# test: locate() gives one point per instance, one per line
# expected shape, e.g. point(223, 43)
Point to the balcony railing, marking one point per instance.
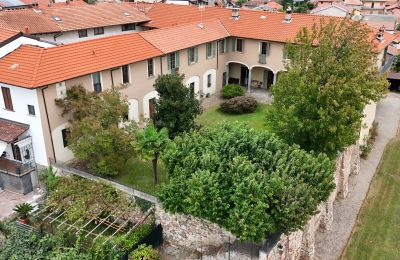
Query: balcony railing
point(15, 167)
point(262, 58)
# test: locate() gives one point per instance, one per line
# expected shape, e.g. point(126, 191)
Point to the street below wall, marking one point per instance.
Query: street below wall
point(331, 243)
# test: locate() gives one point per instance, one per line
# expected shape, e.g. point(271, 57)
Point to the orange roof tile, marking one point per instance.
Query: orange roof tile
point(19, 19)
point(31, 66)
point(6, 34)
point(73, 17)
point(252, 24)
point(170, 39)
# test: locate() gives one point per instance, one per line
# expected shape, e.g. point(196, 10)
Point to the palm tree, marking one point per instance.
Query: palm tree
point(149, 144)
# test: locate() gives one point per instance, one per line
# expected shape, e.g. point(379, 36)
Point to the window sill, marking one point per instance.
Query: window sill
point(9, 110)
point(150, 77)
point(31, 115)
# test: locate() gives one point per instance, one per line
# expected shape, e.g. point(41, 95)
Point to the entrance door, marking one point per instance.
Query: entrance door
point(265, 79)
point(244, 76)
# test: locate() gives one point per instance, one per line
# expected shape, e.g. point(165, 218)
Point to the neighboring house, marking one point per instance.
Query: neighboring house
point(26, 4)
point(21, 134)
point(379, 20)
point(265, 5)
point(373, 6)
point(211, 49)
point(334, 9)
point(65, 24)
point(355, 4)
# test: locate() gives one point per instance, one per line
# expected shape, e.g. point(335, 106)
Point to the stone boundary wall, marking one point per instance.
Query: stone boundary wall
point(191, 232)
point(301, 244)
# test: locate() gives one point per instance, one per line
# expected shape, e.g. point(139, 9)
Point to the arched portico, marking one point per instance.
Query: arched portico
point(262, 77)
point(238, 73)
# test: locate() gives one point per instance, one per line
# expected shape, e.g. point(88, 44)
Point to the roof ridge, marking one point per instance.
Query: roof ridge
point(150, 43)
point(36, 67)
point(223, 25)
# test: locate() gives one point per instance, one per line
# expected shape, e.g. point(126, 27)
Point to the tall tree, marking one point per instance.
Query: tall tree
point(177, 106)
point(99, 133)
point(149, 144)
point(318, 103)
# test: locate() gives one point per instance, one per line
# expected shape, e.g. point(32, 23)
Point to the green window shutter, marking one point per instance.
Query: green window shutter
point(233, 40)
point(243, 45)
point(196, 54)
point(177, 59)
point(169, 61)
point(226, 49)
point(188, 54)
point(268, 47)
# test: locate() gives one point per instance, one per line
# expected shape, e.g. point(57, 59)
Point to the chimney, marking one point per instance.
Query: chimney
point(288, 15)
point(380, 34)
point(235, 13)
point(26, 30)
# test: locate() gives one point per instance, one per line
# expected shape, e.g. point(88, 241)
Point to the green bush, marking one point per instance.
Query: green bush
point(239, 105)
point(249, 182)
point(231, 91)
point(144, 252)
point(369, 141)
point(48, 178)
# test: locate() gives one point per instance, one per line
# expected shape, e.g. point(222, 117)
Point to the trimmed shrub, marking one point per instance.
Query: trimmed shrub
point(231, 91)
point(239, 105)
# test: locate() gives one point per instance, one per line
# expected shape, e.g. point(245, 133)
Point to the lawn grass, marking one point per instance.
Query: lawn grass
point(213, 116)
point(377, 231)
point(138, 175)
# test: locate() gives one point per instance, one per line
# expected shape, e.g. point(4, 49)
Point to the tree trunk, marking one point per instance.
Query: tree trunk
point(154, 163)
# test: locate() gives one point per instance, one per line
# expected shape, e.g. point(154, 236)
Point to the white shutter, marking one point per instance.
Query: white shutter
point(61, 89)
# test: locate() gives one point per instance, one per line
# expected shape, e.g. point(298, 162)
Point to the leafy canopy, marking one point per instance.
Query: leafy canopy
point(99, 132)
point(249, 182)
point(318, 103)
point(177, 106)
point(149, 144)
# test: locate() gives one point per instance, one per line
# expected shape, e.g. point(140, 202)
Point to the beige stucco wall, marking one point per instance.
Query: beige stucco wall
point(140, 89)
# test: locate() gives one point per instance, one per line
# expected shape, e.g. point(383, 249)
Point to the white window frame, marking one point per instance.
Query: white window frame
point(170, 59)
point(147, 68)
point(129, 74)
point(267, 50)
point(236, 45)
point(192, 50)
point(61, 90)
point(101, 81)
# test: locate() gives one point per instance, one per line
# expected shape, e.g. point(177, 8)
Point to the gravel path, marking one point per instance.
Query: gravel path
point(330, 244)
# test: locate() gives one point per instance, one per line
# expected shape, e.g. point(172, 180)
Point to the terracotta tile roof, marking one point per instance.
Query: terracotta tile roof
point(10, 130)
point(170, 39)
point(252, 24)
point(31, 66)
point(73, 17)
point(340, 6)
point(274, 5)
point(6, 34)
point(19, 19)
point(98, 15)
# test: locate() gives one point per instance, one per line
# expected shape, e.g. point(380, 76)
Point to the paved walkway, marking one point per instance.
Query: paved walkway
point(330, 244)
point(8, 200)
